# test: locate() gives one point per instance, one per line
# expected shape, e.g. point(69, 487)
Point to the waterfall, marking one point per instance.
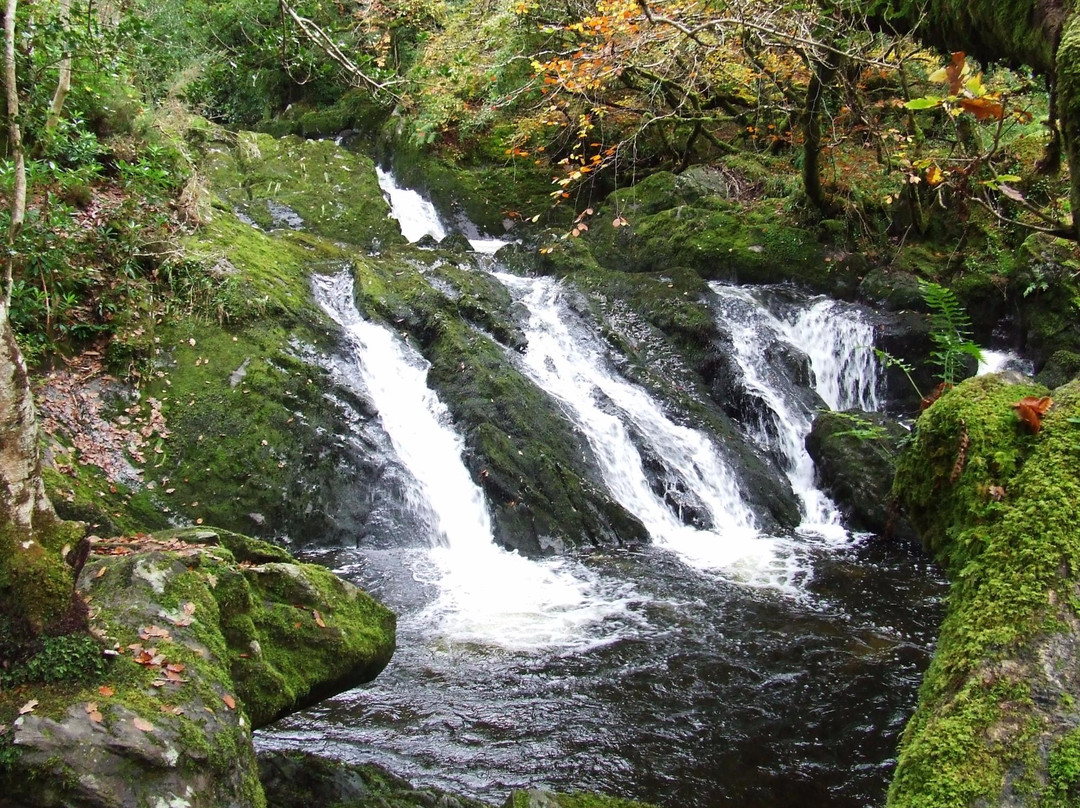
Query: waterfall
point(485, 594)
point(997, 361)
point(607, 408)
point(837, 342)
point(416, 215)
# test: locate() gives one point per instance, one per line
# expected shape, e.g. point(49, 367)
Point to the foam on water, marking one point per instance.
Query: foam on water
point(485, 594)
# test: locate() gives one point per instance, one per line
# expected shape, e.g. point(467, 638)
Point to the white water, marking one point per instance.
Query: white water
point(418, 216)
point(485, 594)
point(573, 370)
point(838, 343)
point(997, 361)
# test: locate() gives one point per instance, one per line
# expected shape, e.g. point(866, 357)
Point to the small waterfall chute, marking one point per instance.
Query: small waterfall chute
point(418, 217)
point(485, 594)
point(838, 343)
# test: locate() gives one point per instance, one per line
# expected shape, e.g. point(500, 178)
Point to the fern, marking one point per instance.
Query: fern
point(950, 331)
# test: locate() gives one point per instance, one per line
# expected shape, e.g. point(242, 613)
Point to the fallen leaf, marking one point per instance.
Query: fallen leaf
point(91, 707)
point(142, 723)
point(28, 707)
point(96, 717)
point(318, 619)
point(230, 702)
point(101, 572)
point(1030, 410)
point(106, 691)
point(189, 608)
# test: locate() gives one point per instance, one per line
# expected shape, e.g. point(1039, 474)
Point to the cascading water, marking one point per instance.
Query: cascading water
point(416, 215)
point(706, 692)
point(572, 368)
point(486, 594)
point(838, 344)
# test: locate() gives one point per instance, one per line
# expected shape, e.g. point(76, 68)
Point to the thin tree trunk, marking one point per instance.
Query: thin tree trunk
point(821, 76)
point(22, 493)
point(63, 84)
point(20, 461)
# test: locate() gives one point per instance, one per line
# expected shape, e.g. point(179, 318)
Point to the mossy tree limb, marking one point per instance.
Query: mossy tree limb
point(997, 505)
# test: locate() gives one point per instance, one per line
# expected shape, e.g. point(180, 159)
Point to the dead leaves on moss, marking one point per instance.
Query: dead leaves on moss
point(1030, 410)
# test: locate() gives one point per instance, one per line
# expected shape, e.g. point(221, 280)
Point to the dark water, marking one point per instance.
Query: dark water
point(705, 692)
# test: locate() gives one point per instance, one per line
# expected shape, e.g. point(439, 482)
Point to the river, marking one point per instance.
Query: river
point(718, 665)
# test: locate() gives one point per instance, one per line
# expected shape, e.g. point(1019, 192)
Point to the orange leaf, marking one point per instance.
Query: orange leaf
point(984, 109)
point(955, 72)
point(142, 723)
point(106, 691)
point(318, 619)
point(1030, 411)
point(230, 702)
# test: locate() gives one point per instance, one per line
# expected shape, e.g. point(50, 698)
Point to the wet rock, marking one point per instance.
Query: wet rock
point(538, 798)
point(300, 780)
point(1060, 368)
point(216, 634)
point(892, 290)
point(854, 454)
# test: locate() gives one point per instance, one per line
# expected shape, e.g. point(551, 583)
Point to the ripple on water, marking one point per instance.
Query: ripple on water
point(697, 691)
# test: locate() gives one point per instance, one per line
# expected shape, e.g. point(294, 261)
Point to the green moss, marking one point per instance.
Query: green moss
point(1064, 772)
point(996, 504)
point(334, 192)
point(547, 799)
point(71, 658)
point(676, 221)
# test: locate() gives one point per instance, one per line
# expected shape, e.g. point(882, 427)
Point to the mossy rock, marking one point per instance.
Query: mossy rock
point(300, 780)
point(677, 221)
point(207, 648)
point(537, 798)
point(1061, 368)
point(544, 486)
point(854, 456)
point(310, 185)
point(996, 503)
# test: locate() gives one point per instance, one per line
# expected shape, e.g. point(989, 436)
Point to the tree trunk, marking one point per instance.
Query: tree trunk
point(1067, 87)
point(24, 502)
point(63, 83)
point(35, 583)
point(822, 75)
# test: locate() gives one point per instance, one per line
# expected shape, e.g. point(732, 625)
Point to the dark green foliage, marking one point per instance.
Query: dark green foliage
point(71, 658)
point(950, 331)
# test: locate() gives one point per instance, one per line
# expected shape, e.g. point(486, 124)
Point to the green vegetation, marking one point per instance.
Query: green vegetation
point(995, 503)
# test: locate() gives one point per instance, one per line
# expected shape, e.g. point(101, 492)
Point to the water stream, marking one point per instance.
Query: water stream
point(717, 666)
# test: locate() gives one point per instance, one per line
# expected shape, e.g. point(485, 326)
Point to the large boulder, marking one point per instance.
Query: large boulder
point(854, 454)
point(212, 635)
point(995, 499)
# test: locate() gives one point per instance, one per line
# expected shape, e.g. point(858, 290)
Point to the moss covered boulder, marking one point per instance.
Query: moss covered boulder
point(299, 780)
point(998, 720)
point(680, 221)
point(854, 455)
point(297, 184)
point(211, 635)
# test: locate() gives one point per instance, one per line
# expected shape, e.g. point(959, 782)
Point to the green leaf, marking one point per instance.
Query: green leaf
point(926, 102)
